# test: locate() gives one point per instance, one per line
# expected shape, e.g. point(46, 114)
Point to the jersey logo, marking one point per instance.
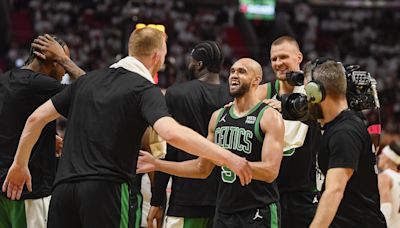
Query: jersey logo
point(250, 120)
point(315, 200)
point(257, 215)
point(222, 119)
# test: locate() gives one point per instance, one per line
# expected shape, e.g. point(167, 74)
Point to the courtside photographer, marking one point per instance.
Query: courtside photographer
point(350, 196)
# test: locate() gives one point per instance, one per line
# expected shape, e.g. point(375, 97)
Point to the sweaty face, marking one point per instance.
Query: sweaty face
point(285, 57)
point(240, 79)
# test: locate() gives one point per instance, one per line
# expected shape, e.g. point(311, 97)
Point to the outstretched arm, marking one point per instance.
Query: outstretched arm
point(196, 168)
point(272, 151)
point(50, 48)
point(188, 140)
point(18, 173)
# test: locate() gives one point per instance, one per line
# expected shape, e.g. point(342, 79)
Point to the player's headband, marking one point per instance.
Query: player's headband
point(391, 154)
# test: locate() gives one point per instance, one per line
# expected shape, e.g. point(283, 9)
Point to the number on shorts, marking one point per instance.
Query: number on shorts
point(227, 175)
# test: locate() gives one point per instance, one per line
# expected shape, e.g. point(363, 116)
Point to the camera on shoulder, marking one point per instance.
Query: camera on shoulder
point(361, 93)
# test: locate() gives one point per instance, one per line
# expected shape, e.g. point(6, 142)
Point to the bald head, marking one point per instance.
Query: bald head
point(146, 41)
point(250, 64)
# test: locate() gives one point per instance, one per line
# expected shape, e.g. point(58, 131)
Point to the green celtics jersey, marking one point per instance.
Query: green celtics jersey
point(244, 137)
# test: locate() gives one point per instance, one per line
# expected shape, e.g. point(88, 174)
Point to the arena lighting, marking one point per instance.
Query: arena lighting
point(155, 26)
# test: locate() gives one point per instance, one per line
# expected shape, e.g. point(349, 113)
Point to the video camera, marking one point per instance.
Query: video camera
point(361, 93)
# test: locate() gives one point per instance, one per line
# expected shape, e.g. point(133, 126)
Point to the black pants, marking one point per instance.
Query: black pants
point(268, 216)
point(298, 208)
point(88, 204)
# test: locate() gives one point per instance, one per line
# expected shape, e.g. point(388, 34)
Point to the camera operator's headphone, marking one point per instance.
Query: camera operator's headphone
point(315, 90)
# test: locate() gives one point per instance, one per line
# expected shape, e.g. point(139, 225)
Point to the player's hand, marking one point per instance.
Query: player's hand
point(48, 48)
point(157, 214)
point(274, 104)
point(59, 145)
point(146, 162)
point(240, 166)
point(16, 178)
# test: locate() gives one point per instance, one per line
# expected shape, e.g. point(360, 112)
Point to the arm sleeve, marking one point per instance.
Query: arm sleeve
point(61, 101)
point(153, 105)
point(345, 149)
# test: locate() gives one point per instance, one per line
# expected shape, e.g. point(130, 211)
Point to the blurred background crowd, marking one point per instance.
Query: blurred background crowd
point(353, 32)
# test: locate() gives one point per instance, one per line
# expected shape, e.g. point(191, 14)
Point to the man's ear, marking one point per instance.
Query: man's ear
point(257, 80)
point(200, 65)
point(155, 57)
point(299, 57)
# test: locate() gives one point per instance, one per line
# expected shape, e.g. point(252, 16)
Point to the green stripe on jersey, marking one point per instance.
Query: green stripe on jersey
point(124, 206)
point(138, 219)
point(274, 215)
point(257, 129)
point(289, 152)
point(221, 111)
point(234, 116)
point(269, 90)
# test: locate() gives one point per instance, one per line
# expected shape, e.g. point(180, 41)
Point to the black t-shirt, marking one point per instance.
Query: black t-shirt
point(244, 137)
point(191, 104)
point(298, 167)
point(346, 143)
point(21, 92)
point(108, 111)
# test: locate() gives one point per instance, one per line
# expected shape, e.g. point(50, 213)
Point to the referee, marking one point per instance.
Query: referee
point(108, 111)
point(192, 201)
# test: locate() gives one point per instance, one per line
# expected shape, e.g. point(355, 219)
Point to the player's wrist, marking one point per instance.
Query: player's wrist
point(62, 59)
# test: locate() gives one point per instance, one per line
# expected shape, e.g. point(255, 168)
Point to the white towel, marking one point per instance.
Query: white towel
point(132, 64)
point(295, 131)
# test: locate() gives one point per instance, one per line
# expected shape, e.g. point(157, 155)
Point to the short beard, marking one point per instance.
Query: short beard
point(315, 111)
point(241, 91)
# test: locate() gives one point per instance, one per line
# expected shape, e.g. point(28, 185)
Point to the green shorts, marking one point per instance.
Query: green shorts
point(24, 213)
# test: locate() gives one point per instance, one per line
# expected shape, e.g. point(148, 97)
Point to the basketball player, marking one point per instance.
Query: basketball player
point(192, 201)
point(389, 183)
point(21, 92)
point(297, 175)
point(248, 128)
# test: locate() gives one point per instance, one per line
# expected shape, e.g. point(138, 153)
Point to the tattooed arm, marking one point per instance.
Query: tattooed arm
point(46, 47)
